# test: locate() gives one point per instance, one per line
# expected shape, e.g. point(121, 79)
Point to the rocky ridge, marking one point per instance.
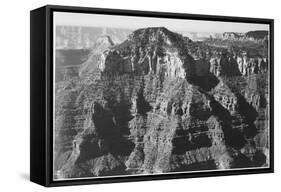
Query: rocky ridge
point(258, 35)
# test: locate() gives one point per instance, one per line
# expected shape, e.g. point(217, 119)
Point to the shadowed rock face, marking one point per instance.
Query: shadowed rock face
point(233, 64)
point(257, 35)
point(154, 105)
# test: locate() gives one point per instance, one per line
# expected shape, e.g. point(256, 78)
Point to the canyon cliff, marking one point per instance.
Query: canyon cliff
point(159, 102)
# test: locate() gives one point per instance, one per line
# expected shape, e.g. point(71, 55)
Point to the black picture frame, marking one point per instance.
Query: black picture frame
point(41, 88)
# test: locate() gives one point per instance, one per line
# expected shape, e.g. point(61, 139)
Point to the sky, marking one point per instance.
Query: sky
point(132, 22)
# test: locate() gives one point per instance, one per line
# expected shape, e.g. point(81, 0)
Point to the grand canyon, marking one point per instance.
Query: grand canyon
point(155, 101)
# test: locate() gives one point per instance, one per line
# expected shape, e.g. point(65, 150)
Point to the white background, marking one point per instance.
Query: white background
point(14, 96)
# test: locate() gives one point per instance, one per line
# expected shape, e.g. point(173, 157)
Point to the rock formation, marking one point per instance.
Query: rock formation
point(259, 35)
point(159, 102)
point(233, 35)
point(150, 51)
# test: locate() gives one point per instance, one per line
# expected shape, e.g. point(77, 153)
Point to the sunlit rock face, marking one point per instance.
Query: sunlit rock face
point(251, 65)
point(158, 103)
point(150, 51)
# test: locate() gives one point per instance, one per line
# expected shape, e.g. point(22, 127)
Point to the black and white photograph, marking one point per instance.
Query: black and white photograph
point(140, 96)
point(152, 96)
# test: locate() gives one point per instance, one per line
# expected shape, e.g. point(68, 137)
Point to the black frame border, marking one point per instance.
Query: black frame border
point(41, 140)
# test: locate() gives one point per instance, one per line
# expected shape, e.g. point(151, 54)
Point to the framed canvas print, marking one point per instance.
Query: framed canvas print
point(122, 95)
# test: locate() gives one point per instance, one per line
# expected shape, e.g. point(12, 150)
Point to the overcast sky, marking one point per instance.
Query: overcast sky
point(129, 22)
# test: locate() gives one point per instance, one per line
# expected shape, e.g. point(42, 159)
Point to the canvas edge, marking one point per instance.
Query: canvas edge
point(37, 96)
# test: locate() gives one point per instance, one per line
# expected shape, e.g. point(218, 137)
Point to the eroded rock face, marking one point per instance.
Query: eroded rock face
point(153, 108)
point(150, 51)
point(227, 64)
point(248, 66)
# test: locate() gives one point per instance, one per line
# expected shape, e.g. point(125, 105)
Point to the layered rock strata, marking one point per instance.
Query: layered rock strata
point(152, 105)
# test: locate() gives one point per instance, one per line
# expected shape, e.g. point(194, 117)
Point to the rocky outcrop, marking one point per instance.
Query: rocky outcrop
point(150, 51)
point(232, 64)
point(233, 35)
point(157, 104)
point(257, 35)
point(251, 65)
point(93, 64)
point(224, 64)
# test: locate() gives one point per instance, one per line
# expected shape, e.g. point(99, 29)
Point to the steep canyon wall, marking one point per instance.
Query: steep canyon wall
point(153, 105)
